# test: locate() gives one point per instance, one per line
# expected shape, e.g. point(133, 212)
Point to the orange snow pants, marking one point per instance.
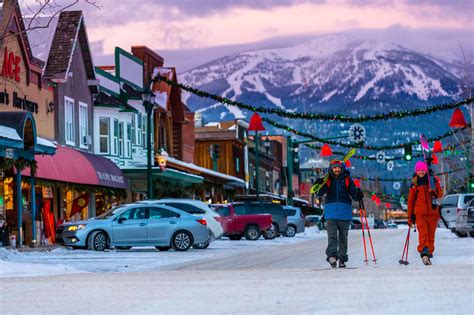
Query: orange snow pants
point(426, 234)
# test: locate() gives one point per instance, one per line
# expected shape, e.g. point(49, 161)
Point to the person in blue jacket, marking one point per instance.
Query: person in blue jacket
point(340, 190)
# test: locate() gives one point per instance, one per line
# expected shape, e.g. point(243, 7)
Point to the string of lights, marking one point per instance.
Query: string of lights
point(316, 116)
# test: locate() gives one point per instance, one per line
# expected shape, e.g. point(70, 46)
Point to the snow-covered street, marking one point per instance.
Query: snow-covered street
point(287, 275)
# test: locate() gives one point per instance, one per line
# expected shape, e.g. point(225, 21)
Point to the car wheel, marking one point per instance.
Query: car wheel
point(471, 233)
point(163, 248)
point(235, 237)
point(202, 245)
point(460, 234)
point(182, 241)
point(123, 247)
point(97, 241)
point(270, 234)
point(252, 233)
point(290, 231)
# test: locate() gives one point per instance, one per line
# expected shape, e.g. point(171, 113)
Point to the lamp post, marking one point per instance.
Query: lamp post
point(256, 125)
point(147, 96)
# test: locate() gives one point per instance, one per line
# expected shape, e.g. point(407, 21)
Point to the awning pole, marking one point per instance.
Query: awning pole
point(19, 206)
point(33, 207)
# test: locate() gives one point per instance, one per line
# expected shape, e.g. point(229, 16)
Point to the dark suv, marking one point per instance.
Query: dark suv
point(279, 216)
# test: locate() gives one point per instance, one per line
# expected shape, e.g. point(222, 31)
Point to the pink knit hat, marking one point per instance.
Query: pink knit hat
point(421, 166)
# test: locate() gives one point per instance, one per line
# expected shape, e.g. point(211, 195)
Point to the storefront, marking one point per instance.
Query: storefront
point(18, 146)
point(75, 185)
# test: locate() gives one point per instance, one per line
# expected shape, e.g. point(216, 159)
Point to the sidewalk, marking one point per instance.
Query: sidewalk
point(27, 248)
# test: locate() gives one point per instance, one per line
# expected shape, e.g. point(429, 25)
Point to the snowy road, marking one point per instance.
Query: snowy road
point(288, 276)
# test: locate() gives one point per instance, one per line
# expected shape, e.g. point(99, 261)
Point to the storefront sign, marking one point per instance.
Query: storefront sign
point(9, 153)
point(11, 66)
point(110, 177)
point(18, 102)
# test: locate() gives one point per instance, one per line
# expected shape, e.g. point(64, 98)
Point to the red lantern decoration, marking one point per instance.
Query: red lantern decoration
point(457, 120)
point(357, 182)
point(437, 147)
point(388, 205)
point(348, 163)
point(435, 160)
point(326, 150)
point(256, 123)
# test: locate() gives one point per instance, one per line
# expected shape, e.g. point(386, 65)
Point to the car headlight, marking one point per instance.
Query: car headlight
point(76, 227)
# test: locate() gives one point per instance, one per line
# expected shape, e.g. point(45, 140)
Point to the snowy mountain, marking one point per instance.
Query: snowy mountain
point(331, 73)
point(334, 74)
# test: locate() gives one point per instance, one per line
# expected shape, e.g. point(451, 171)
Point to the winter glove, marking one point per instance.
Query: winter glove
point(411, 220)
point(359, 194)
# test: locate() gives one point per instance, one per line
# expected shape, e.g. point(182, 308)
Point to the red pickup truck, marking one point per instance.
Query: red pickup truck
point(236, 225)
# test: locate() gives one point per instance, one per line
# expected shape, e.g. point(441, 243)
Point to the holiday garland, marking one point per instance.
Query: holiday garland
point(316, 116)
point(373, 158)
point(354, 145)
point(402, 179)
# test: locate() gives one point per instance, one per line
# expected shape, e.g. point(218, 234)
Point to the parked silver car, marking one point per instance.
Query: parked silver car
point(451, 206)
point(295, 221)
point(136, 225)
point(465, 220)
point(196, 208)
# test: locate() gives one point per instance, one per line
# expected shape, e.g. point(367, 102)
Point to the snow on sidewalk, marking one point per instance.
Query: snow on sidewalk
point(63, 260)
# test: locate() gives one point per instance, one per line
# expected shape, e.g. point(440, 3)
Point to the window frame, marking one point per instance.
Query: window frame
point(83, 124)
point(69, 132)
point(104, 136)
point(128, 143)
point(115, 136)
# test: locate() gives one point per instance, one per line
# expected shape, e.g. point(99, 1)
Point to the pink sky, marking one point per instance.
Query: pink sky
point(186, 24)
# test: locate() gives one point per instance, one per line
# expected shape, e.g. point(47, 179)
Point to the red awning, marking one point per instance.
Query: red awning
point(73, 166)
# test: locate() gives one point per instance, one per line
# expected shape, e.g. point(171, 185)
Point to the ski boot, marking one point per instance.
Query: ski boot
point(426, 260)
point(333, 262)
point(342, 264)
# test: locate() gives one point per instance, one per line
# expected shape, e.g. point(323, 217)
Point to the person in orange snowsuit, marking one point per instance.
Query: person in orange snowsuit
point(421, 211)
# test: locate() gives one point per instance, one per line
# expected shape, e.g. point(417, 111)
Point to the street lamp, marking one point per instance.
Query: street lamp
point(149, 103)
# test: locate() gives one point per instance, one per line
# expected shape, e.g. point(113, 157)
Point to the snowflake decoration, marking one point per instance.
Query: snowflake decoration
point(357, 133)
point(380, 156)
point(390, 166)
point(396, 185)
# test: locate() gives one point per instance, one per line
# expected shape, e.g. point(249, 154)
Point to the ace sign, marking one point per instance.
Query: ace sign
point(11, 66)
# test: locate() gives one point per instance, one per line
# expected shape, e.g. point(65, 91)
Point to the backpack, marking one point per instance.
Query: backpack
point(328, 183)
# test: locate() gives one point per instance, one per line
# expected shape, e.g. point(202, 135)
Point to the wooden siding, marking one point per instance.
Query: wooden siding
point(76, 88)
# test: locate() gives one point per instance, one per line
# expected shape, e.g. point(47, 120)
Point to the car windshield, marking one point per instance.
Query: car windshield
point(110, 213)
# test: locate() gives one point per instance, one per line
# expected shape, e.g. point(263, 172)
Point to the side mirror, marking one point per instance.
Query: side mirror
point(121, 219)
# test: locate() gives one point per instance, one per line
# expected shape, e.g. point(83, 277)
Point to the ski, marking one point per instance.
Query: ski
point(431, 181)
point(317, 187)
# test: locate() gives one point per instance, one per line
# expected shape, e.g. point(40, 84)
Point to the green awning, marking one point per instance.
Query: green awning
point(168, 174)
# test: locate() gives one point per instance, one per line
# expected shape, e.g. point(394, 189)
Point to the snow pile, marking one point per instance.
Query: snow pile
point(63, 260)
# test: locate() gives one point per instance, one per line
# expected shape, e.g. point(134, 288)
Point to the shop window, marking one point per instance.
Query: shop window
point(128, 147)
point(121, 139)
point(144, 127)
point(116, 132)
point(134, 133)
point(69, 120)
point(83, 125)
point(139, 129)
point(237, 165)
point(104, 135)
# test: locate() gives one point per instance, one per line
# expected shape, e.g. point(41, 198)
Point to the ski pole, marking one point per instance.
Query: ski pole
point(408, 247)
point(368, 232)
point(405, 249)
point(363, 233)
